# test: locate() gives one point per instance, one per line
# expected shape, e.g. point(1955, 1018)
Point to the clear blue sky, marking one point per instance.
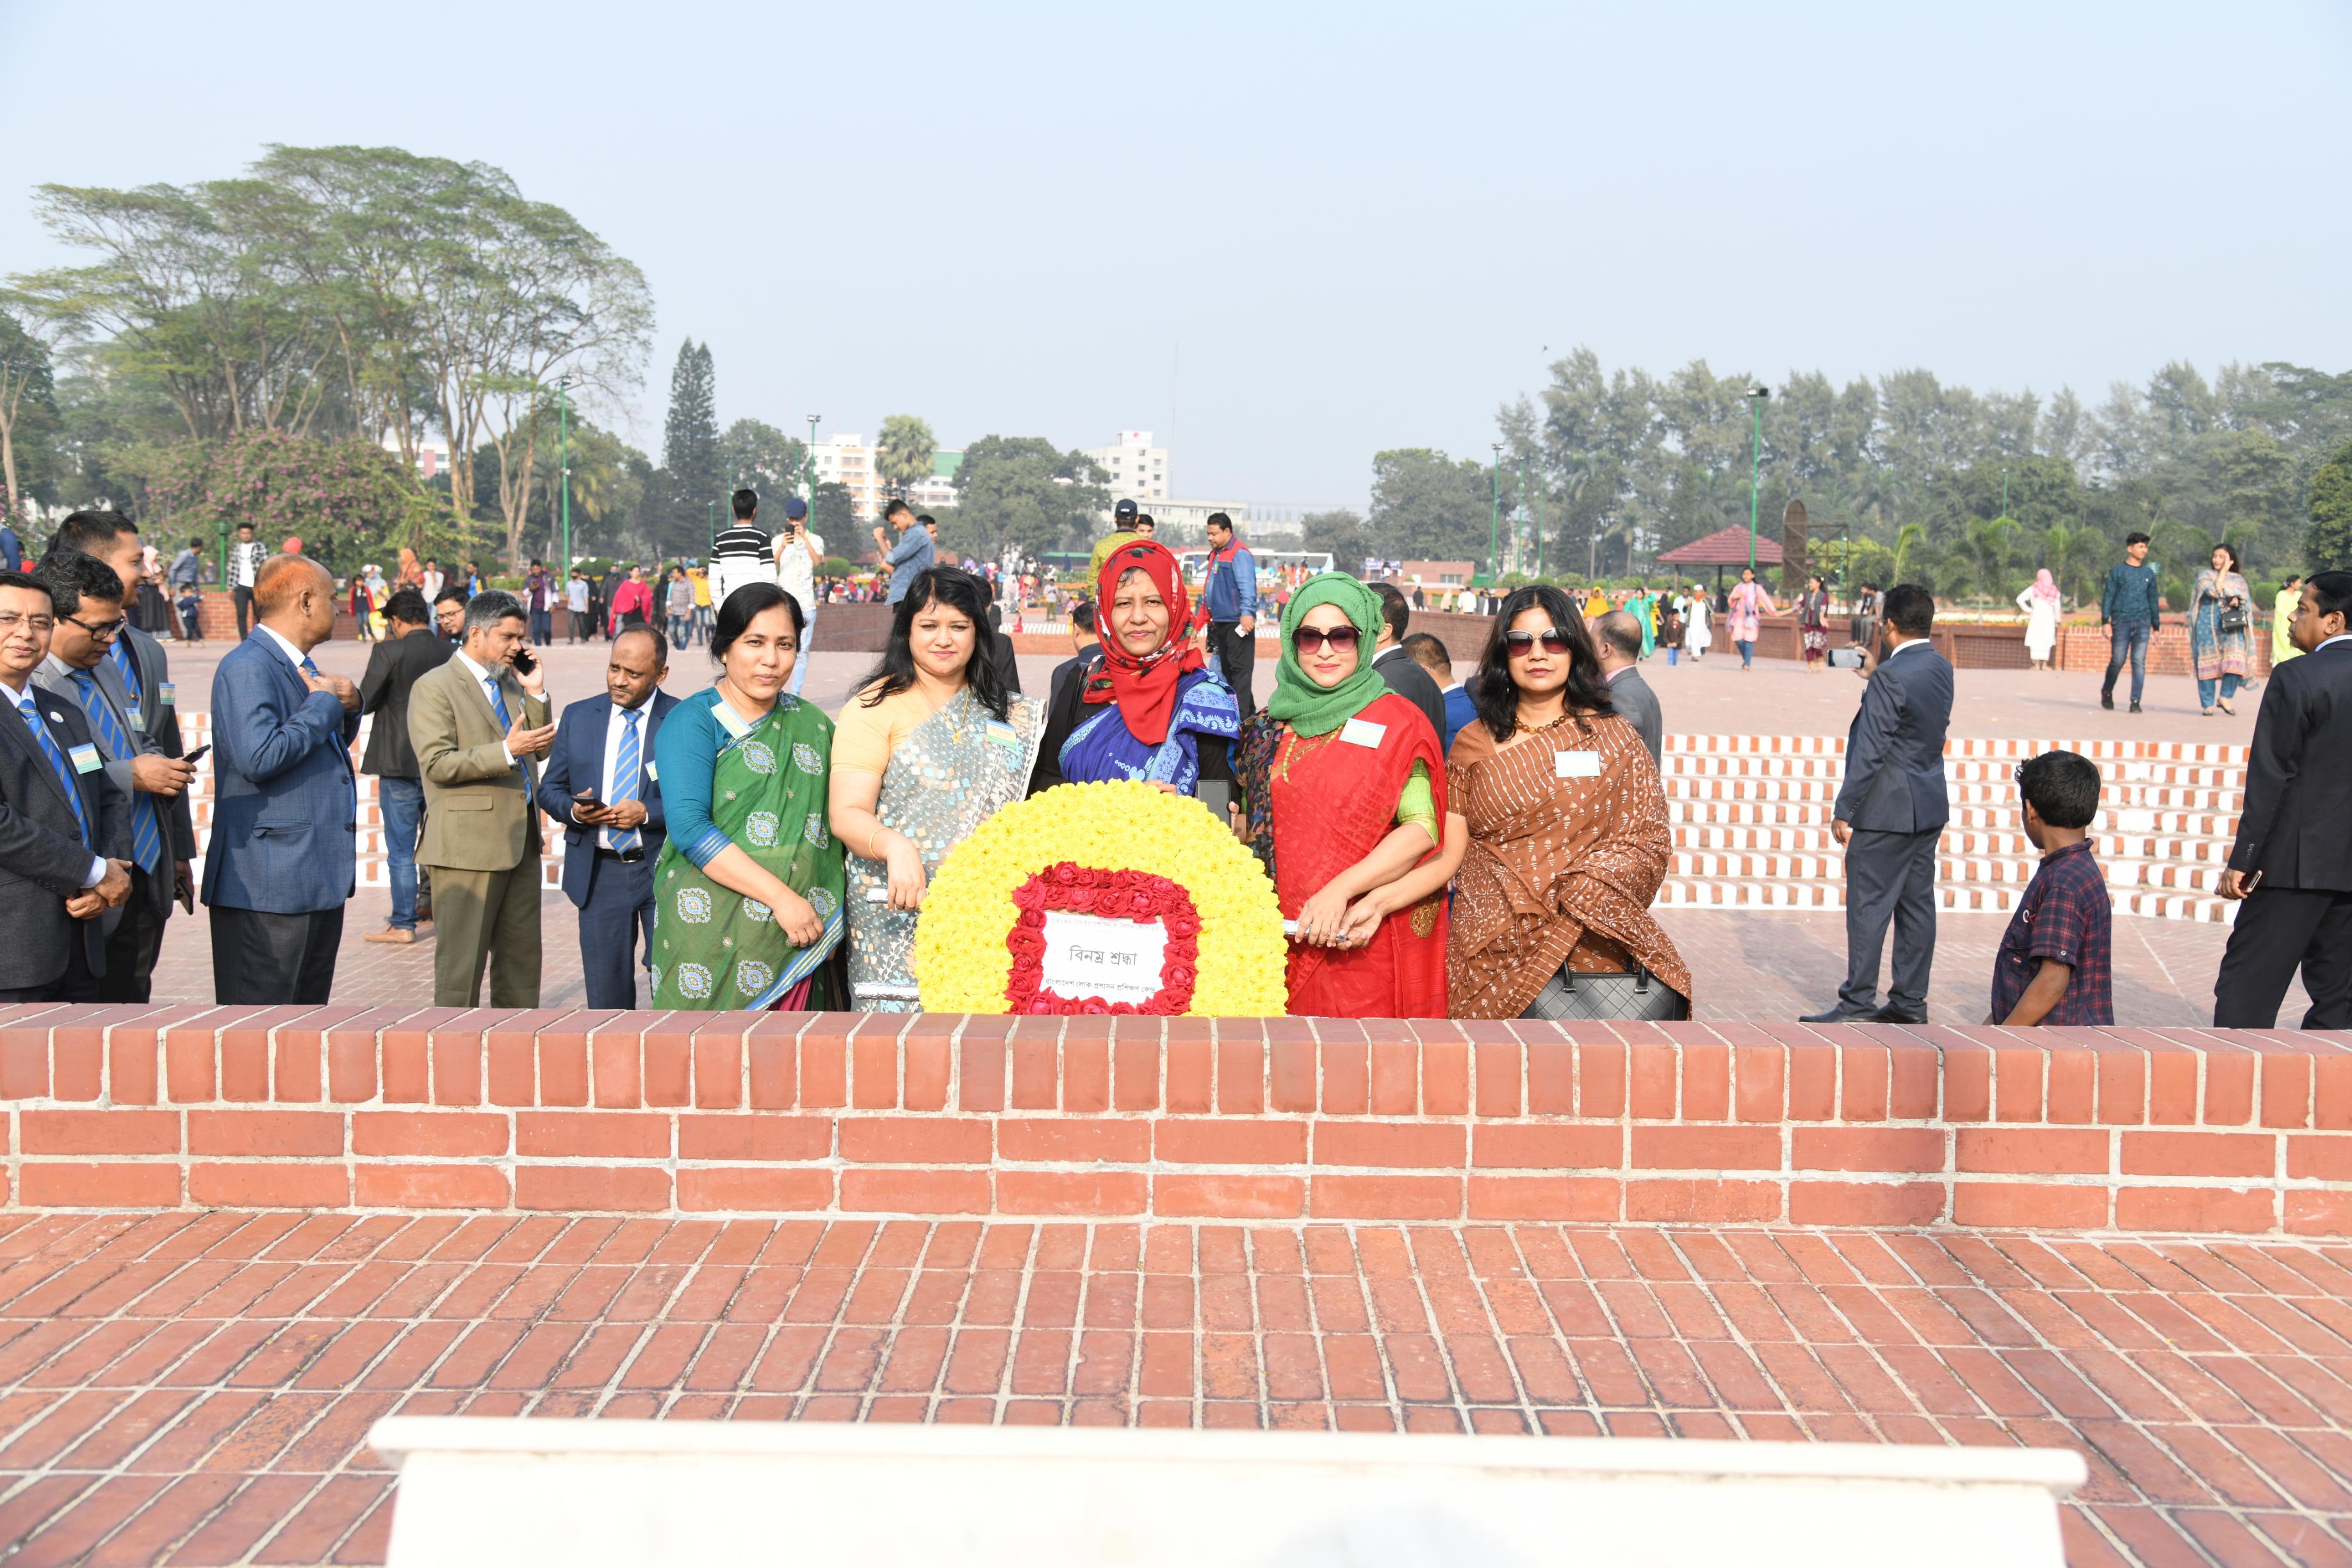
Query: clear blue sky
point(1359, 225)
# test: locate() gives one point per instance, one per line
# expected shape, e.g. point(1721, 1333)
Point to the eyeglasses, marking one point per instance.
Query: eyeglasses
point(1554, 640)
point(41, 624)
point(105, 631)
point(1311, 639)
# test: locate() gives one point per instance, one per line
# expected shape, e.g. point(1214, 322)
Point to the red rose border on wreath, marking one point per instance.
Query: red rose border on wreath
point(1113, 895)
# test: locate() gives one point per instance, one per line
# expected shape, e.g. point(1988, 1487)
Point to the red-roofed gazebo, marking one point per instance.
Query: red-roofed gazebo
point(1723, 547)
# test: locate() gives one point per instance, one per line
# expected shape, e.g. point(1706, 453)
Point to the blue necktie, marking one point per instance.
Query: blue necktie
point(351, 780)
point(146, 832)
point(119, 650)
point(625, 779)
point(60, 766)
point(497, 702)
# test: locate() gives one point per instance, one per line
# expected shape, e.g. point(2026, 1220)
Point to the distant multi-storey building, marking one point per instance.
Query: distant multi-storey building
point(937, 488)
point(846, 460)
point(1138, 469)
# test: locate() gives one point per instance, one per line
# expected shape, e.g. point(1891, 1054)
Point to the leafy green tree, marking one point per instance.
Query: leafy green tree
point(1426, 506)
point(2328, 543)
point(903, 455)
point(349, 502)
point(690, 452)
point(757, 456)
point(1343, 533)
point(834, 514)
point(27, 387)
point(1024, 490)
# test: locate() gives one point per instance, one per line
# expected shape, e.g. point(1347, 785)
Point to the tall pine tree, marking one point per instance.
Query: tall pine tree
point(692, 457)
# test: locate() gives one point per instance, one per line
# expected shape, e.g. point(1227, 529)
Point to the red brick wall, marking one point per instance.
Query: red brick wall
point(1276, 1120)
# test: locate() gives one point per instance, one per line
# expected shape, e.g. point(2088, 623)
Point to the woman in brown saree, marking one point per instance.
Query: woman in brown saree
point(1568, 837)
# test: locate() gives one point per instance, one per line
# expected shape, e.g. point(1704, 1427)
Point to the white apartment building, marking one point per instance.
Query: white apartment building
point(845, 460)
point(1138, 469)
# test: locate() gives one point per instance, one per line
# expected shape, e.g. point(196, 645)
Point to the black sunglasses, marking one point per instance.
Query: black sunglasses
point(1308, 639)
point(1554, 640)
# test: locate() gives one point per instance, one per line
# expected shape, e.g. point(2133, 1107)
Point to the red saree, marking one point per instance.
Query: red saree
point(1332, 803)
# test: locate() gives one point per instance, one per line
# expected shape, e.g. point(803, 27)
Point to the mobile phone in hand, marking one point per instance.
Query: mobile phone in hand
point(525, 661)
point(193, 758)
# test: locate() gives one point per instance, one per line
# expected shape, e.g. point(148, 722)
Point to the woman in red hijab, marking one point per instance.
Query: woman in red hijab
point(1150, 707)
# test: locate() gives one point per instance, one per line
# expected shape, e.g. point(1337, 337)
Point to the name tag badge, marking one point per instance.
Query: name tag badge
point(1003, 734)
point(652, 775)
point(1363, 733)
point(167, 693)
point(1576, 765)
point(132, 713)
point(85, 759)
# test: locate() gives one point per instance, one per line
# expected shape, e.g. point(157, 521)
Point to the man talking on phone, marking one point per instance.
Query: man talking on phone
point(479, 725)
point(601, 784)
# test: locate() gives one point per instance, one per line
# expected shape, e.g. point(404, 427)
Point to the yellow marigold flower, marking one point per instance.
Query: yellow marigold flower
point(962, 962)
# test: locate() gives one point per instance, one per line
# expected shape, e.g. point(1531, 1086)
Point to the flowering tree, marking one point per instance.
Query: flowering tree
point(347, 500)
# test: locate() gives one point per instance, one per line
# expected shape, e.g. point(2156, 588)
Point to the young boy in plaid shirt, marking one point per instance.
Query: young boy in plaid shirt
point(2056, 963)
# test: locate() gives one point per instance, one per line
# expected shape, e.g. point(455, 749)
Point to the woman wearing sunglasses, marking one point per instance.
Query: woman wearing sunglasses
point(1343, 798)
point(1567, 831)
point(1150, 707)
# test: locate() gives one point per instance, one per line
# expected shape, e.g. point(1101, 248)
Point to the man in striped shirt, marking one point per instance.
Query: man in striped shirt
point(244, 559)
point(743, 553)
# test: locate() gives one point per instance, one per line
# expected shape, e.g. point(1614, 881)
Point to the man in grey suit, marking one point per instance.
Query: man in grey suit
point(1890, 814)
point(89, 599)
point(1618, 637)
point(64, 827)
point(282, 864)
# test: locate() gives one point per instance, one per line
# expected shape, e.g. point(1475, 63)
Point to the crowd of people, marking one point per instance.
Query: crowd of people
point(1487, 847)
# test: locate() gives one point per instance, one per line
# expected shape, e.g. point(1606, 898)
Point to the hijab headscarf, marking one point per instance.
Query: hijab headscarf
point(2044, 585)
point(1298, 701)
point(1144, 684)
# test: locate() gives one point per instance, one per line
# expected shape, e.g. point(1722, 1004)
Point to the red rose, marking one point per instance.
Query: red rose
point(1140, 903)
point(1177, 975)
point(1092, 1006)
point(1123, 1009)
point(1064, 875)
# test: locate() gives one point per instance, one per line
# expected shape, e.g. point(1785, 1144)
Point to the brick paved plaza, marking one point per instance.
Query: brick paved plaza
point(236, 1238)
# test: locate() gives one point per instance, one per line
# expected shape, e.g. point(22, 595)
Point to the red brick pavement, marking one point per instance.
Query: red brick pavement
point(195, 1388)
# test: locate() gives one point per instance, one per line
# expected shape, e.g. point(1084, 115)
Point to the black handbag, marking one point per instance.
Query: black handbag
point(2233, 618)
point(1637, 996)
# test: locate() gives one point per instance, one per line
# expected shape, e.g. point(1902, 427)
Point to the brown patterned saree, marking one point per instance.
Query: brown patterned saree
point(1569, 841)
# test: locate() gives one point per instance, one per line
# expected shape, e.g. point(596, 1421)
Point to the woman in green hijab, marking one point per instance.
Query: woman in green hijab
point(1343, 798)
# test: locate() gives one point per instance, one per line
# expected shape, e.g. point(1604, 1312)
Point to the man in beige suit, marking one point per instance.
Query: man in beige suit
point(478, 727)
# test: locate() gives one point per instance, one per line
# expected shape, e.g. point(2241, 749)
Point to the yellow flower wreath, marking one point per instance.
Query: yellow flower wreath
point(962, 964)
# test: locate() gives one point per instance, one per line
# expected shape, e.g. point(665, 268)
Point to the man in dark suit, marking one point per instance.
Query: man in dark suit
point(1890, 814)
point(1085, 644)
point(65, 826)
point(2291, 862)
point(409, 649)
point(601, 783)
point(1395, 666)
point(282, 860)
point(1617, 636)
point(89, 603)
point(1432, 655)
point(144, 671)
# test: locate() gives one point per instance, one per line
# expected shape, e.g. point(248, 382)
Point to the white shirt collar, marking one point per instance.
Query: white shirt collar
point(1915, 642)
point(481, 677)
point(2331, 642)
point(293, 653)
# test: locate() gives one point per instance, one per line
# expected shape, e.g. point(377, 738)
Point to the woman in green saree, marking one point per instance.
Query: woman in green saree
point(748, 893)
point(924, 751)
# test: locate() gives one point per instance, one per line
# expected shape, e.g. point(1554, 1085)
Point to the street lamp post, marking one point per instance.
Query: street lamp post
point(1495, 513)
point(808, 467)
point(563, 466)
point(1756, 396)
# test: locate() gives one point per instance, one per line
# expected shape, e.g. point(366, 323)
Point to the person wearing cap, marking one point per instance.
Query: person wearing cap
point(798, 550)
point(1122, 523)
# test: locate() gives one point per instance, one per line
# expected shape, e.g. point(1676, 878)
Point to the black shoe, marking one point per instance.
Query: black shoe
point(2135, 706)
point(1893, 1015)
point(1839, 1015)
point(2107, 700)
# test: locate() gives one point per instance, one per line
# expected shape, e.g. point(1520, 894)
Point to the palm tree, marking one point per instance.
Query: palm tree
point(903, 456)
point(1906, 538)
point(1984, 547)
point(2073, 556)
